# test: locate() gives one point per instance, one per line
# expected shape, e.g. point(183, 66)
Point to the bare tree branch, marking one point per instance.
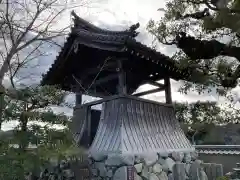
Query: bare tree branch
point(25, 28)
point(18, 32)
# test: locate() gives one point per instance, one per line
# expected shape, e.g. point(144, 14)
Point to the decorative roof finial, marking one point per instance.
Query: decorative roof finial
point(133, 29)
point(75, 16)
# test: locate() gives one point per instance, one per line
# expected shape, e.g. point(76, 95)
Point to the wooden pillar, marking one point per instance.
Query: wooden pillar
point(78, 96)
point(78, 93)
point(122, 88)
point(87, 114)
point(168, 94)
point(89, 119)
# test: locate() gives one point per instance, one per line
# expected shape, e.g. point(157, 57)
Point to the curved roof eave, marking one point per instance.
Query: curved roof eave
point(90, 35)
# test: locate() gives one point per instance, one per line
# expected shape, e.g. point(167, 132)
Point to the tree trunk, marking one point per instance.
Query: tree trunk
point(23, 141)
point(23, 131)
point(3, 71)
point(5, 65)
point(1, 105)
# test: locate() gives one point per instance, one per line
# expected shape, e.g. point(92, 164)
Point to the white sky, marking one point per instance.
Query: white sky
point(117, 15)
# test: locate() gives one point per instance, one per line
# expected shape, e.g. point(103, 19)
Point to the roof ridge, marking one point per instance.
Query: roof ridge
point(80, 23)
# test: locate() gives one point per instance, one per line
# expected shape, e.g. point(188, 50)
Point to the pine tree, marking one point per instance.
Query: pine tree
point(207, 35)
point(38, 126)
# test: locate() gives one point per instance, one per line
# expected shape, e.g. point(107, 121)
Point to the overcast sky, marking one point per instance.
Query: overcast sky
point(118, 15)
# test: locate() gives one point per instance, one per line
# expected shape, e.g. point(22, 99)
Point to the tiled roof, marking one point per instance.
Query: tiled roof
point(129, 125)
point(218, 149)
point(85, 33)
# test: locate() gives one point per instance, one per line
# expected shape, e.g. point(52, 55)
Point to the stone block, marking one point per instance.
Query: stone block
point(187, 168)
point(150, 169)
point(161, 160)
point(101, 168)
point(118, 160)
point(168, 164)
point(179, 172)
point(177, 156)
point(138, 159)
point(98, 157)
point(194, 170)
point(157, 168)
point(138, 167)
point(138, 177)
point(150, 159)
point(163, 155)
point(95, 172)
point(122, 173)
point(145, 172)
point(203, 175)
point(187, 158)
point(170, 176)
point(194, 155)
point(153, 176)
point(109, 173)
point(162, 176)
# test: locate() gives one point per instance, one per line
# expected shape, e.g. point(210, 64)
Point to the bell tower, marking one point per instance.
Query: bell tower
point(128, 129)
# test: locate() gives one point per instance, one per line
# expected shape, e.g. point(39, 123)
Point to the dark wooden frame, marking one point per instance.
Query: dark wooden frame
point(123, 88)
point(122, 93)
point(110, 98)
point(160, 87)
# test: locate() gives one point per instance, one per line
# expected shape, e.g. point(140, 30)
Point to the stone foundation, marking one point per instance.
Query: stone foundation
point(177, 166)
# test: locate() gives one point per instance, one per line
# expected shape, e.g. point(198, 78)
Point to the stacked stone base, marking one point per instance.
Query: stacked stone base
point(154, 166)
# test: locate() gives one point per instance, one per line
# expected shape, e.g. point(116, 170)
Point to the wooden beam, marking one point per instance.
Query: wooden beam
point(122, 87)
point(93, 103)
point(110, 98)
point(154, 83)
point(168, 94)
point(78, 93)
point(149, 91)
point(78, 96)
point(92, 91)
point(89, 119)
point(95, 94)
point(110, 66)
point(105, 79)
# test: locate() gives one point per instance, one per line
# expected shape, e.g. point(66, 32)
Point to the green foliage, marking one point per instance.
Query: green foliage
point(199, 112)
point(199, 118)
point(223, 178)
point(222, 22)
point(38, 125)
point(15, 164)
